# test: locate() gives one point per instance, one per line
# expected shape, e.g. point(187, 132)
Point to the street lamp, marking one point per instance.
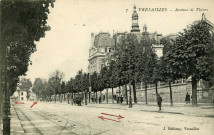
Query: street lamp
point(130, 97)
point(6, 103)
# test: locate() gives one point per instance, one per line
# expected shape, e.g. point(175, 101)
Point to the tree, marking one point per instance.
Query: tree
point(146, 63)
point(85, 83)
point(112, 77)
point(192, 55)
point(22, 23)
point(25, 84)
point(166, 72)
point(55, 82)
point(104, 79)
point(63, 90)
point(130, 48)
point(70, 87)
point(38, 87)
point(96, 84)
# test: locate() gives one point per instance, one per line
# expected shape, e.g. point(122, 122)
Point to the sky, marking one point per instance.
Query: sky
point(66, 46)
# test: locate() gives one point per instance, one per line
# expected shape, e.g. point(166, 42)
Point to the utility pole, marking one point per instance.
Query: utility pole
point(6, 102)
point(1, 74)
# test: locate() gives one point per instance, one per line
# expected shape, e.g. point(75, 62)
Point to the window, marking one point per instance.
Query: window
point(22, 98)
point(21, 93)
point(109, 49)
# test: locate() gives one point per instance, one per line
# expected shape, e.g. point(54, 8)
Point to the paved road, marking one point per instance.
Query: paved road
point(51, 119)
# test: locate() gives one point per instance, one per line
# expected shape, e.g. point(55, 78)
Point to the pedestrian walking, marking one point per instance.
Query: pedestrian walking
point(159, 100)
point(187, 99)
point(99, 100)
point(92, 99)
point(121, 99)
point(103, 98)
point(118, 99)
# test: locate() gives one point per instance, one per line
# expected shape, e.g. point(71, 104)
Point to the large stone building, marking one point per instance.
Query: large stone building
point(103, 45)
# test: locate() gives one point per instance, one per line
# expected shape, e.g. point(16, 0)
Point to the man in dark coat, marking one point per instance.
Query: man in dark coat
point(187, 99)
point(100, 99)
point(159, 100)
point(121, 99)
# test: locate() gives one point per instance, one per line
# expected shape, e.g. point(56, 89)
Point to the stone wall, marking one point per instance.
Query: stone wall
point(178, 93)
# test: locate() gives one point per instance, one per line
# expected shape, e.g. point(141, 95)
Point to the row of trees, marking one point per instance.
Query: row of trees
point(22, 23)
point(191, 54)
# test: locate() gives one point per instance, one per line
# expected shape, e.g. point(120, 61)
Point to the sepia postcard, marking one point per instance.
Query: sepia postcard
point(107, 67)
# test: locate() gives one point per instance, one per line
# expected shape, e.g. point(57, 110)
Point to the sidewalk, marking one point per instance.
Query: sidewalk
point(15, 126)
point(203, 110)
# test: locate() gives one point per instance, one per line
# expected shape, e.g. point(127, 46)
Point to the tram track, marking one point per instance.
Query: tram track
point(23, 116)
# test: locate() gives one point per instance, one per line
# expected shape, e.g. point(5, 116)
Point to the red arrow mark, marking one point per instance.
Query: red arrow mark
point(33, 104)
point(19, 102)
point(118, 117)
point(101, 117)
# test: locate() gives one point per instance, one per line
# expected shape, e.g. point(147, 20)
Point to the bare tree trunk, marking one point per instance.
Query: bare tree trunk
point(89, 97)
point(146, 93)
point(107, 95)
point(59, 97)
point(72, 98)
point(170, 90)
point(194, 91)
point(112, 95)
point(50, 97)
point(119, 94)
point(45, 97)
point(134, 92)
point(55, 97)
point(96, 96)
point(68, 96)
point(156, 90)
point(127, 101)
point(130, 96)
point(85, 98)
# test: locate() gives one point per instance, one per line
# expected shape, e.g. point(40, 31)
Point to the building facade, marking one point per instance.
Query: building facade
point(103, 46)
point(20, 95)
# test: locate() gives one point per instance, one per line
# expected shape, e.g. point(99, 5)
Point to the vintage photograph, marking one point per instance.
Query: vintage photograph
point(106, 67)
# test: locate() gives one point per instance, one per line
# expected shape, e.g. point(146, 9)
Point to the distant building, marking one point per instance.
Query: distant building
point(20, 95)
point(210, 24)
point(32, 97)
point(103, 46)
point(158, 49)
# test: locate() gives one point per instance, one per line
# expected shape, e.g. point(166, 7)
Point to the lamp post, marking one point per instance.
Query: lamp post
point(6, 102)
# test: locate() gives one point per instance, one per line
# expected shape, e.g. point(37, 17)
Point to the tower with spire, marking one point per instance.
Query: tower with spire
point(135, 26)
